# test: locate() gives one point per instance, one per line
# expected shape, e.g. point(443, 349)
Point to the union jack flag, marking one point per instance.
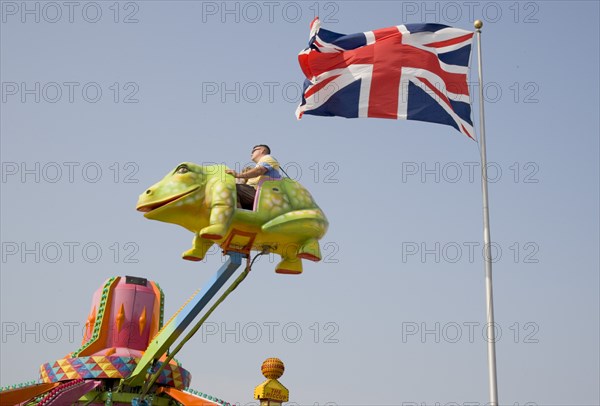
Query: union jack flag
point(412, 72)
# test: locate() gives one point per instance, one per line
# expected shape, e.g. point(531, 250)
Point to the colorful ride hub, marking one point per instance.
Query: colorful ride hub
point(125, 317)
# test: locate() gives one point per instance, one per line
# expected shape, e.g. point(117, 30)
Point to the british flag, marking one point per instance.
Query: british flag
point(412, 72)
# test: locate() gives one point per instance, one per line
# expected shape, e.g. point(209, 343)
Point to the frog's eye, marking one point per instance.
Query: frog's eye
point(182, 169)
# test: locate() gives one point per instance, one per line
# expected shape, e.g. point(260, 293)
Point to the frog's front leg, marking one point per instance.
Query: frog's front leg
point(220, 219)
point(198, 251)
point(222, 203)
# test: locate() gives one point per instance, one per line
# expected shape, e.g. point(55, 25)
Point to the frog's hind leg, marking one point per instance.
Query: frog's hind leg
point(199, 250)
point(291, 265)
point(310, 250)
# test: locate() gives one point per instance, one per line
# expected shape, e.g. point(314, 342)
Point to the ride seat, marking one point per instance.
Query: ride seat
point(258, 189)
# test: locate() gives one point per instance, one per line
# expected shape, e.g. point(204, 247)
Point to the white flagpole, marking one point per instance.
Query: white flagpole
point(489, 295)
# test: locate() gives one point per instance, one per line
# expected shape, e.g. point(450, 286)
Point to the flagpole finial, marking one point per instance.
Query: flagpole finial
point(478, 24)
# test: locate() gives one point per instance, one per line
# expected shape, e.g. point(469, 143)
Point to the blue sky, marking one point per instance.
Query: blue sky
point(101, 99)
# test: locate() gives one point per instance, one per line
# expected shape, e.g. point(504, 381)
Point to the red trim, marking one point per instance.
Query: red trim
point(246, 248)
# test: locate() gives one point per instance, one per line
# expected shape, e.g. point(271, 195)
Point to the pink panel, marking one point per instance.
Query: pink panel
point(134, 299)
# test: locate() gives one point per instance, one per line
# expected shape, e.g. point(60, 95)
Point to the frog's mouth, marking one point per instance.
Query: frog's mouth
point(148, 207)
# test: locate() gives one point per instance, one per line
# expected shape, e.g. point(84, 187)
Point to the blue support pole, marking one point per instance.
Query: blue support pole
point(182, 319)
